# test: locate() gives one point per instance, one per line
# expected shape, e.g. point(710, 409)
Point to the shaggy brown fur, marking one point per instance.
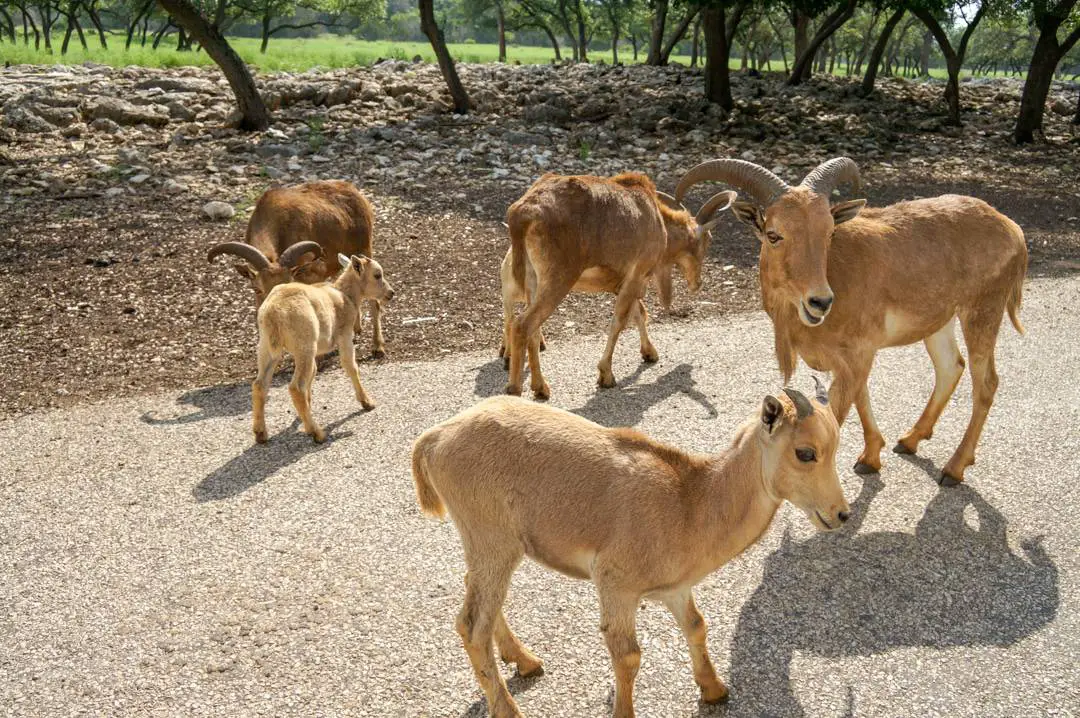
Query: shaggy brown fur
point(591, 234)
point(840, 284)
point(332, 213)
point(308, 320)
point(638, 518)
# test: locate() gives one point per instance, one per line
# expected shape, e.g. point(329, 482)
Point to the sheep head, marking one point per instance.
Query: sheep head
point(688, 239)
point(265, 273)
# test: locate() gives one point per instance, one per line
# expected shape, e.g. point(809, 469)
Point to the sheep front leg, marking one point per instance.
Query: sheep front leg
point(348, 362)
point(641, 318)
point(259, 388)
point(300, 391)
point(692, 623)
point(625, 303)
point(378, 346)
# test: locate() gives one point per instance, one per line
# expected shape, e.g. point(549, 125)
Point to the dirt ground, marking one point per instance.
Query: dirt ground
point(112, 296)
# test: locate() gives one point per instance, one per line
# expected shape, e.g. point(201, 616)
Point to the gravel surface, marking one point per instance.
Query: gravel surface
point(155, 562)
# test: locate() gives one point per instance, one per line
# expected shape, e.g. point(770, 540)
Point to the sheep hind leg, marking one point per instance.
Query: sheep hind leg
point(487, 582)
point(625, 303)
point(948, 368)
point(522, 331)
point(348, 363)
point(300, 391)
point(259, 389)
point(618, 614)
point(512, 650)
point(641, 318)
point(378, 345)
point(980, 334)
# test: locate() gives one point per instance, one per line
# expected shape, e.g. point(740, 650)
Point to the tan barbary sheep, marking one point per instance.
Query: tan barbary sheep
point(295, 233)
point(638, 518)
point(595, 234)
point(308, 320)
point(842, 282)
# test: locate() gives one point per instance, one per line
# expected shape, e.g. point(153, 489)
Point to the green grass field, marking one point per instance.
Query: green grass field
point(295, 55)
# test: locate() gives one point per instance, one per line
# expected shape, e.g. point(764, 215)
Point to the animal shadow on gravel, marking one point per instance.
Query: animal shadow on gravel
point(261, 461)
point(516, 684)
point(626, 404)
point(490, 378)
point(951, 583)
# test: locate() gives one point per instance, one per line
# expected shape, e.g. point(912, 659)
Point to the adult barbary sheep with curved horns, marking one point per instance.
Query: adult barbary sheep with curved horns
point(595, 234)
point(296, 232)
point(840, 284)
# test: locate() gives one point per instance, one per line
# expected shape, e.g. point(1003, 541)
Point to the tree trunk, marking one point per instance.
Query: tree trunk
point(134, 25)
point(879, 50)
point(252, 108)
point(677, 35)
point(1076, 117)
point(265, 32)
point(67, 37)
point(695, 40)
point(502, 30)
point(1044, 60)
point(924, 53)
point(446, 63)
point(801, 22)
point(717, 80)
point(9, 25)
point(583, 42)
point(554, 41)
point(613, 15)
point(656, 31)
point(161, 34)
point(803, 62)
point(633, 44)
point(954, 59)
point(95, 19)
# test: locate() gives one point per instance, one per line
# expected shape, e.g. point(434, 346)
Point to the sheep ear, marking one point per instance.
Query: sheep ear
point(359, 263)
point(846, 210)
point(749, 213)
point(772, 413)
point(343, 260)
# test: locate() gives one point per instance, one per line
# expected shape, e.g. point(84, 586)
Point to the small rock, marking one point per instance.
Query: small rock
point(173, 187)
point(104, 124)
point(218, 210)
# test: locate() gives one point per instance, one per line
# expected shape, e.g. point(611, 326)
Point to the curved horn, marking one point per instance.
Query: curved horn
point(670, 201)
point(803, 407)
point(747, 176)
point(822, 394)
point(717, 203)
point(245, 252)
point(831, 173)
point(292, 254)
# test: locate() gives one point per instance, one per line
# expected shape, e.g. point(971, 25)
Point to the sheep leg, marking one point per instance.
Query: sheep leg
point(692, 623)
point(980, 334)
point(266, 362)
point(486, 584)
point(869, 461)
point(618, 613)
point(348, 363)
point(625, 303)
point(641, 318)
point(378, 346)
point(948, 368)
point(300, 391)
point(512, 650)
point(547, 297)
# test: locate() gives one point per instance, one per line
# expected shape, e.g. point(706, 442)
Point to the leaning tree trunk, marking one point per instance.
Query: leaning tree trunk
point(1044, 60)
point(446, 63)
point(803, 62)
point(954, 58)
point(265, 32)
point(252, 108)
point(717, 78)
point(554, 41)
point(801, 22)
point(879, 50)
point(656, 32)
point(677, 35)
point(695, 41)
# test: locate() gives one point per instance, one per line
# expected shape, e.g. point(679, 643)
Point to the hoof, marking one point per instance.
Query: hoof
point(512, 390)
point(864, 469)
point(542, 392)
point(319, 436)
point(650, 357)
point(606, 382)
point(947, 482)
point(543, 346)
point(368, 405)
point(901, 448)
point(713, 697)
point(378, 354)
point(530, 670)
point(261, 437)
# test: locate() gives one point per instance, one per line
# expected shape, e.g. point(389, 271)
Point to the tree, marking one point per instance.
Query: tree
point(840, 14)
point(446, 63)
point(878, 52)
point(954, 58)
point(1050, 17)
point(254, 115)
point(719, 30)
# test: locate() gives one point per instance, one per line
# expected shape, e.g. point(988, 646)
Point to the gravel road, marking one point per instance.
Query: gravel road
point(153, 561)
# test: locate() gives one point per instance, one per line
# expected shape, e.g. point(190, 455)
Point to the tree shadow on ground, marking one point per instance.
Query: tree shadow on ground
point(626, 404)
point(258, 462)
point(516, 684)
point(950, 584)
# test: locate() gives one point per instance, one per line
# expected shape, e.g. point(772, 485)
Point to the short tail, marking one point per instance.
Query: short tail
point(426, 495)
point(1016, 294)
point(517, 227)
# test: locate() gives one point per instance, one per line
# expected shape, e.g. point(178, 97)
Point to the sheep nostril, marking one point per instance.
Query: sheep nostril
point(843, 516)
point(822, 304)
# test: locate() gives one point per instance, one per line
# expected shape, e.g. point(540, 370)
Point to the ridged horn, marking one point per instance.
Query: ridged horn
point(292, 254)
point(803, 407)
point(831, 173)
point(670, 201)
point(717, 203)
point(762, 184)
point(245, 252)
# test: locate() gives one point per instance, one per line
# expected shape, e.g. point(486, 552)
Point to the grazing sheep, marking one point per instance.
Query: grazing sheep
point(842, 282)
point(295, 232)
point(596, 234)
point(638, 518)
point(308, 320)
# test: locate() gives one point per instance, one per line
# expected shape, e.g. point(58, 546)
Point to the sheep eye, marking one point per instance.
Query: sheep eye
point(773, 236)
point(378, 275)
point(806, 455)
